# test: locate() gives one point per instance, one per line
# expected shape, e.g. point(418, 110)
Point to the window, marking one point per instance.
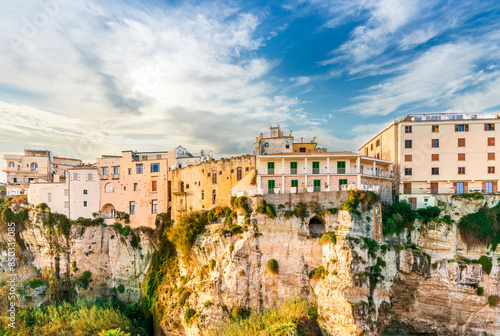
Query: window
point(270, 186)
point(491, 170)
point(155, 167)
point(130, 171)
point(408, 158)
point(154, 206)
point(15, 179)
point(302, 149)
point(434, 157)
point(109, 188)
point(239, 174)
point(214, 177)
point(84, 203)
point(295, 184)
point(214, 197)
point(136, 187)
point(317, 185)
point(342, 182)
point(246, 169)
point(461, 128)
point(315, 167)
point(270, 167)
point(408, 171)
point(104, 172)
point(85, 192)
point(407, 129)
point(66, 192)
point(340, 167)
point(34, 166)
point(408, 144)
point(461, 170)
point(115, 172)
point(132, 208)
point(90, 177)
point(461, 156)
point(287, 146)
point(371, 147)
point(49, 197)
point(66, 204)
point(491, 141)
point(435, 170)
point(293, 167)
point(75, 176)
point(138, 169)
point(491, 156)
point(154, 186)
point(11, 164)
point(459, 188)
point(203, 194)
point(435, 128)
point(377, 143)
point(489, 127)
point(488, 187)
point(461, 142)
point(435, 143)
point(407, 188)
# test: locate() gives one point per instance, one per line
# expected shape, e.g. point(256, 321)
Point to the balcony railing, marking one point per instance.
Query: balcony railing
point(293, 171)
point(270, 171)
point(317, 188)
point(315, 170)
point(342, 171)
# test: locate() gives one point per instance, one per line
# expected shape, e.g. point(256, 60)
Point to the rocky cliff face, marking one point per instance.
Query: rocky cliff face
point(111, 258)
point(412, 285)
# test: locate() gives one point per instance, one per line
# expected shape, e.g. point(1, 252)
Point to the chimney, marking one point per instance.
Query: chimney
point(301, 139)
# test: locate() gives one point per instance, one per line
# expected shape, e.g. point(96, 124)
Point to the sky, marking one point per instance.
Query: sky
point(88, 77)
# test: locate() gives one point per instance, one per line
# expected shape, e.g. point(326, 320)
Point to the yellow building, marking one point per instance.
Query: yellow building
point(208, 184)
point(439, 153)
point(35, 165)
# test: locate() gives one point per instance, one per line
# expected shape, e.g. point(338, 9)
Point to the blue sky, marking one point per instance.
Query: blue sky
point(92, 77)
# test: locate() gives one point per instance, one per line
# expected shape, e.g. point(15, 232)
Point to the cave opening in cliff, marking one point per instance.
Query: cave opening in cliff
point(316, 227)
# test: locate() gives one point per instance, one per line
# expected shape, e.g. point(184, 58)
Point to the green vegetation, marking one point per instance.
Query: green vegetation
point(84, 280)
point(266, 209)
point(291, 318)
point(35, 283)
point(126, 230)
point(83, 318)
point(241, 203)
point(328, 237)
point(481, 227)
point(183, 234)
point(318, 273)
point(486, 263)
point(468, 196)
point(43, 207)
point(300, 211)
point(189, 315)
point(121, 288)
point(113, 332)
point(184, 296)
point(207, 304)
point(493, 300)
point(73, 266)
point(236, 229)
point(479, 291)
point(356, 200)
point(8, 215)
point(211, 264)
point(371, 245)
point(272, 266)
point(238, 313)
point(399, 216)
point(214, 214)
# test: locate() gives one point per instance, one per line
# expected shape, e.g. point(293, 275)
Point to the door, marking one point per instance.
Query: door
point(341, 182)
point(317, 185)
point(413, 202)
point(407, 188)
point(295, 185)
point(434, 187)
point(270, 186)
point(293, 167)
point(341, 167)
point(270, 167)
point(459, 189)
point(315, 167)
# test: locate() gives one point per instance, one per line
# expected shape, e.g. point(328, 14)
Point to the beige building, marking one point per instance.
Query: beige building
point(441, 153)
point(209, 184)
point(139, 183)
point(287, 167)
point(35, 165)
point(77, 195)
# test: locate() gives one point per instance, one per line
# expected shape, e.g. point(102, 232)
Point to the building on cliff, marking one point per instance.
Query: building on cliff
point(76, 195)
point(439, 153)
point(285, 166)
point(37, 164)
point(139, 183)
point(209, 184)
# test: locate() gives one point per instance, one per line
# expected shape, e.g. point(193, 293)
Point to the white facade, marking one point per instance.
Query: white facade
point(77, 197)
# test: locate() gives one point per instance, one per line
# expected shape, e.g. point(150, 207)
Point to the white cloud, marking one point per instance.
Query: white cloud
point(300, 80)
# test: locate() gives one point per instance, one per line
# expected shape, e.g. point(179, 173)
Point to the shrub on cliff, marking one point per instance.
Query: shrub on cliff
point(266, 209)
point(493, 300)
point(272, 266)
point(43, 207)
point(189, 315)
point(481, 227)
point(113, 332)
point(238, 313)
point(318, 273)
point(397, 217)
point(183, 234)
point(328, 237)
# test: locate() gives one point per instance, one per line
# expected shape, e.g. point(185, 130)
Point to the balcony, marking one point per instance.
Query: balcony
point(293, 171)
point(341, 171)
point(315, 170)
point(270, 171)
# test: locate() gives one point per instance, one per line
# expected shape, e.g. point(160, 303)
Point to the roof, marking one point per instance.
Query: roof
point(338, 154)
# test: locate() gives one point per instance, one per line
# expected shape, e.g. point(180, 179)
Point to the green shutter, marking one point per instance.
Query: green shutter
point(316, 164)
point(317, 183)
point(342, 181)
point(270, 165)
point(295, 183)
point(293, 165)
point(341, 164)
point(271, 184)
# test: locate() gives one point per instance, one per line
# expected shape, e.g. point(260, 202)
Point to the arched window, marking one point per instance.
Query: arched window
point(109, 188)
point(181, 186)
point(239, 173)
point(214, 177)
point(11, 164)
point(214, 197)
point(34, 166)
